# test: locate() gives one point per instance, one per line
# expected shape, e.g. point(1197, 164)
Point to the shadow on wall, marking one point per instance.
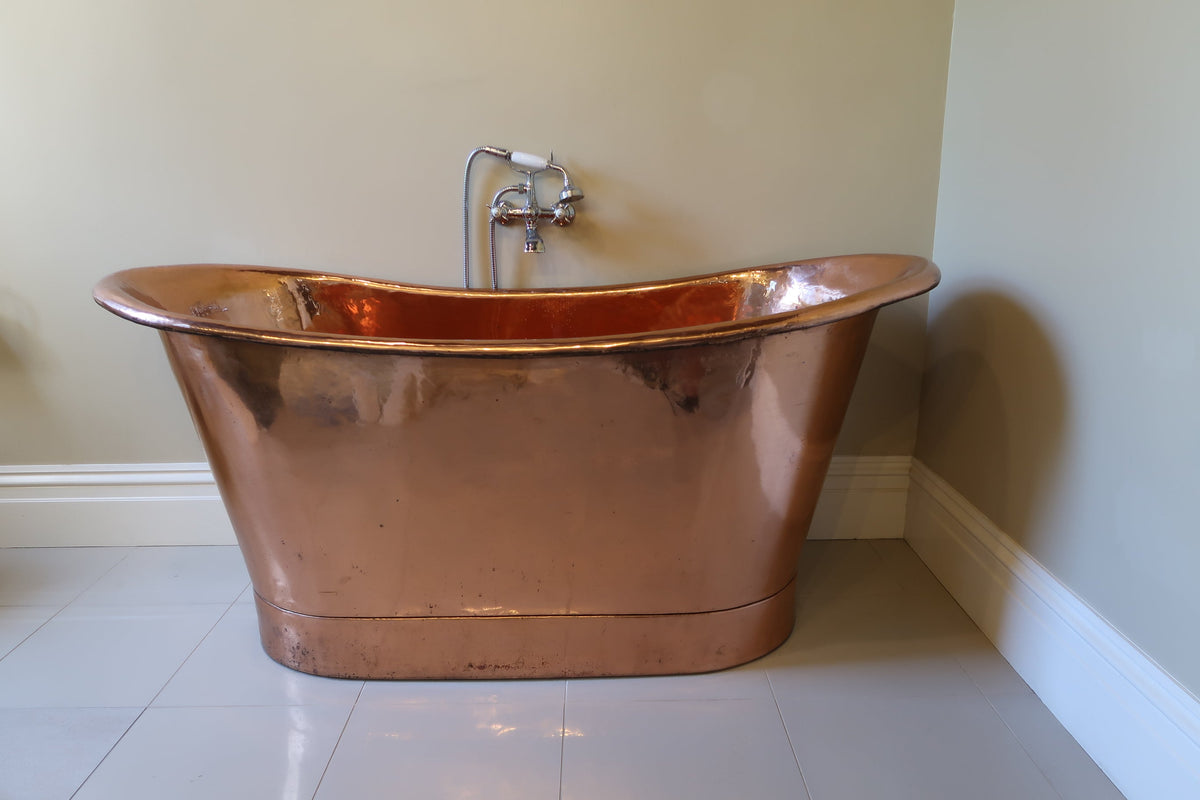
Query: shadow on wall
point(20, 350)
point(882, 416)
point(993, 409)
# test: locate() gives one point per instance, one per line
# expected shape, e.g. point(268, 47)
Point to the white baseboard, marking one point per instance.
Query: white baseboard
point(864, 497)
point(84, 505)
point(1139, 725)
point(173, 504)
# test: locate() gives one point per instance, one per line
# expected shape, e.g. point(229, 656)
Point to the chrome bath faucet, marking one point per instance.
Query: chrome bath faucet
point(503, 212)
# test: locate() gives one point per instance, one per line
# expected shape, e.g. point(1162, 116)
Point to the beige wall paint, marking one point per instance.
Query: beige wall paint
point(1064, 364)
point(332, 135)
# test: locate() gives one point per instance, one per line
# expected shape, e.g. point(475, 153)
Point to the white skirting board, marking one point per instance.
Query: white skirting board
point(1135, 721)
point(863, 498)
point(84, 505)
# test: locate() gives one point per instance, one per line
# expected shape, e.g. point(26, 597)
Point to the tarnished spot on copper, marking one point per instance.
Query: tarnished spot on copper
point(306, 306)
point(207, 309)
point(685, 377)
point(445, 483)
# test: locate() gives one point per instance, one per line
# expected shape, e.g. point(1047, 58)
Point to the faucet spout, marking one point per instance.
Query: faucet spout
point(533, 240)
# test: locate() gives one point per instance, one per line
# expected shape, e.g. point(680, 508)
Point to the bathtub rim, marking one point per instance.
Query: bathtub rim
point(917, 276)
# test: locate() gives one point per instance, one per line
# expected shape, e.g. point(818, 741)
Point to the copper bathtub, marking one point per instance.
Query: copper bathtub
point(439, 483)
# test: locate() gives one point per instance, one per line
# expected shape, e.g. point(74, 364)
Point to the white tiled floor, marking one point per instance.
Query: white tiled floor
point(136, 673)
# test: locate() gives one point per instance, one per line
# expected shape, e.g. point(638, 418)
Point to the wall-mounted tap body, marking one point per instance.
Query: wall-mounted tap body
point(503, 212)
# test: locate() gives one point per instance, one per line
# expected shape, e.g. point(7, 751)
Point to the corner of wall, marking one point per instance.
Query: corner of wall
point(1139, 725)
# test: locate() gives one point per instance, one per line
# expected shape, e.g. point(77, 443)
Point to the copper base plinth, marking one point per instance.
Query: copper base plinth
point(553, 646)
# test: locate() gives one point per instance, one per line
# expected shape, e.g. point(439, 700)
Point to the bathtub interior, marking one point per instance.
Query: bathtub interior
point(309, 302)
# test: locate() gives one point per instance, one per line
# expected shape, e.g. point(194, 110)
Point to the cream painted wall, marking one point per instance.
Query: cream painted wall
point(332, 135)
point(1064, 368)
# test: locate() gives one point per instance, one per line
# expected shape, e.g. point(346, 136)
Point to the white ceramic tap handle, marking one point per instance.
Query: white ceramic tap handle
point(528, 160)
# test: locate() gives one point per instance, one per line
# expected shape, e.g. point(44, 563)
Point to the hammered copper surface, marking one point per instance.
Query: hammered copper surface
point(444, 478)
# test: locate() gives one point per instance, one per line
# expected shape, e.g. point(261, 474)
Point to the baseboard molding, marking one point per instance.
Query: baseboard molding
point(864, 497)
point(1139, 725)
point(82, 505)
point(87, 505)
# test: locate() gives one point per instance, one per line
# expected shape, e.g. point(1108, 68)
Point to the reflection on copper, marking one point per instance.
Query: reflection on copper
point(432, 483)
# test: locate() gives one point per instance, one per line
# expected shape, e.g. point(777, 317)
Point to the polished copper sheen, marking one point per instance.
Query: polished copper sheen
point(440, 483)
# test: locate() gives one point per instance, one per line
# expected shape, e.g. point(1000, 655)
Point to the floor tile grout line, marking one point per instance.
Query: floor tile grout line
point(787, 734)
point(109, 752)
point(29, 635)
point(1021, 743)
point(63, 607)
point(99, 578)
point(196, 647)
point(316, 789)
